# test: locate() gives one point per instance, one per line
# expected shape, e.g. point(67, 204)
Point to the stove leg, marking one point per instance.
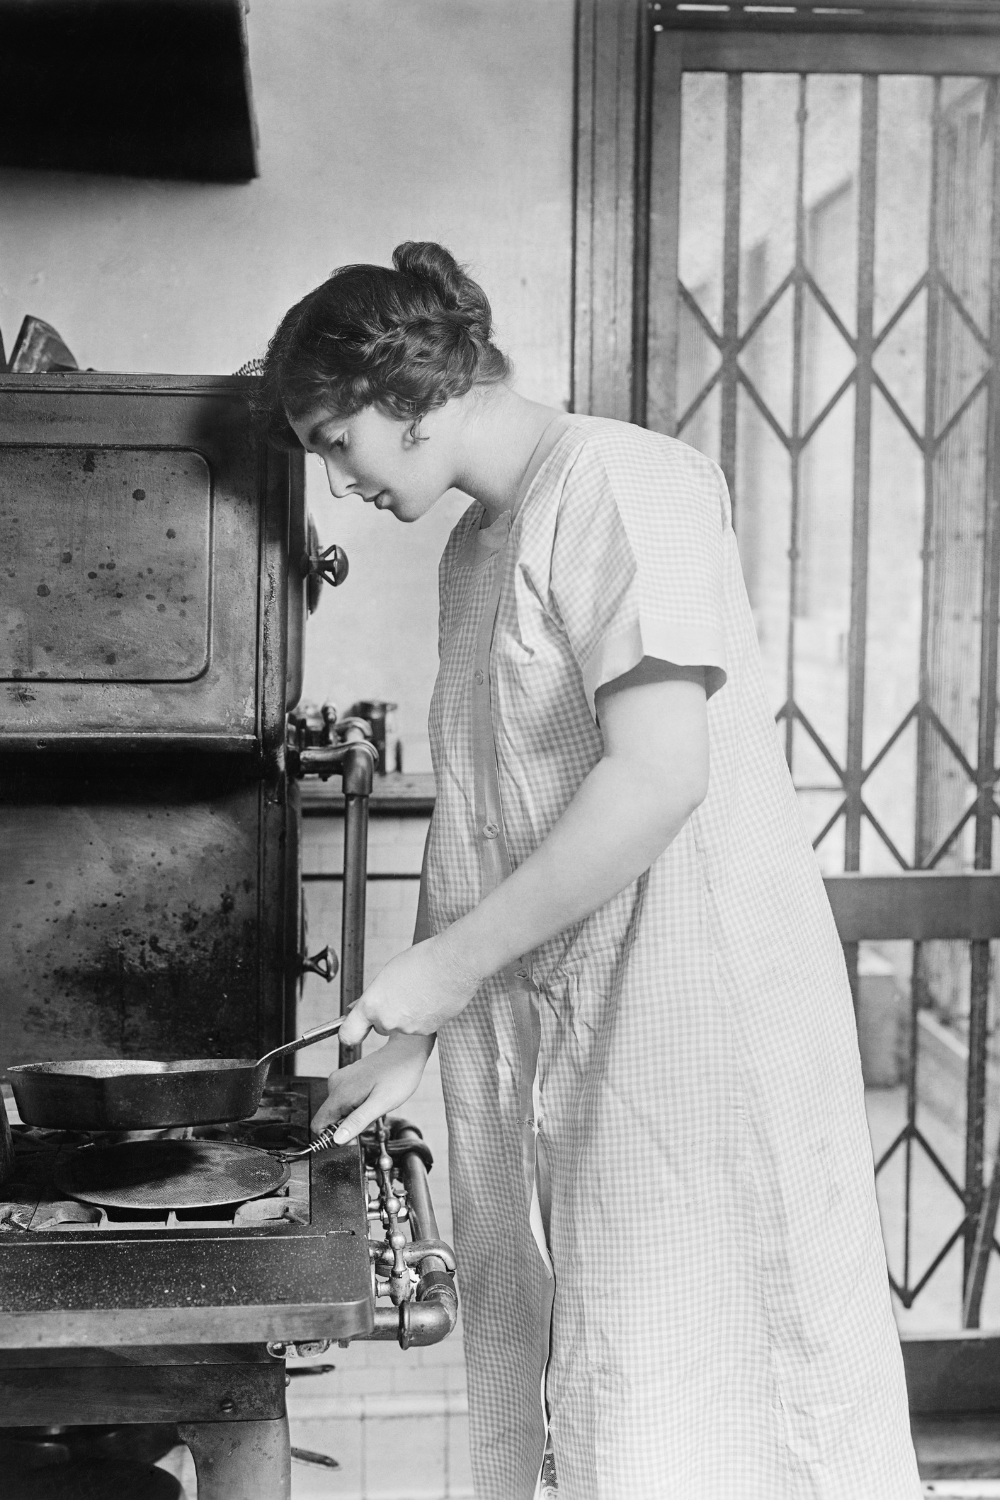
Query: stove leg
point(240, 1460)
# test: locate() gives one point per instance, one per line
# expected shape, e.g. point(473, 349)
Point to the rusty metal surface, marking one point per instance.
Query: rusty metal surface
point(63, 1395)
point(102, 1386)
point(169, 1174)
point(145, 898)
point(112, 466)
point(108, 1394)
point(134, 919)
point(107, 564)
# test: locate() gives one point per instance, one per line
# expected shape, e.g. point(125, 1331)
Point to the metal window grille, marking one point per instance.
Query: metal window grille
point(916, 367)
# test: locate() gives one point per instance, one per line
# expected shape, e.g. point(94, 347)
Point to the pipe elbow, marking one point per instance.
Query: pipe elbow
point(429, 1319)
point(417, 1324)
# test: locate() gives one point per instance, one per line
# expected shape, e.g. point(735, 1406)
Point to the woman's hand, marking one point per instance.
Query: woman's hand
point(416, 993)
point(371, 1087)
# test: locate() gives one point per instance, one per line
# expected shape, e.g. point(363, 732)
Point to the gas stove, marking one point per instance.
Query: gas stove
point(292, 1264)
point(55, 1188)
point(162, 566)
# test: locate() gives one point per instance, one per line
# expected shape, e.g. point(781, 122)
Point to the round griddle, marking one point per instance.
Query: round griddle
point(149, 1175)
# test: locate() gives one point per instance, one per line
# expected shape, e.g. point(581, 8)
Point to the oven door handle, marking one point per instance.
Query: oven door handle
point(325, 963)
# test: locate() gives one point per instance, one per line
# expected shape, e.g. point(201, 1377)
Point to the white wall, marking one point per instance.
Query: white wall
point(380, 120)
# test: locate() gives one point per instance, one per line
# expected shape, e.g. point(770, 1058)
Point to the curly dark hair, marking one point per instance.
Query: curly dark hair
point(405, 340)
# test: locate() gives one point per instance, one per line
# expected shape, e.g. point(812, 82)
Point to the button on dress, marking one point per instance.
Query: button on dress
point(661, 1172)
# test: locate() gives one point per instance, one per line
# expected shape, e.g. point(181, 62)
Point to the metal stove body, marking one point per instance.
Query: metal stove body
point(153, 584)
point(291, 1265)
point(158, 567)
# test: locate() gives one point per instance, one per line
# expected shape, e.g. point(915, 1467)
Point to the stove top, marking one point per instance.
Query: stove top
point(290, 1265)
point(55, 1169)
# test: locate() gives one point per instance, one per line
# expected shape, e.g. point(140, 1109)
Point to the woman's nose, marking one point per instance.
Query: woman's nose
point(341, 485)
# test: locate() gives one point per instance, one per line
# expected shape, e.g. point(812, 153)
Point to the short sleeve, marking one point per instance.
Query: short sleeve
point(637, 558)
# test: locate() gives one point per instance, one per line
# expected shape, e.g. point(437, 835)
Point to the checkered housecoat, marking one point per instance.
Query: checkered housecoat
point(683, 1062)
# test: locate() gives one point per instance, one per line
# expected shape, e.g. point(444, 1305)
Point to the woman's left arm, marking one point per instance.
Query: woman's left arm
point(634, 802)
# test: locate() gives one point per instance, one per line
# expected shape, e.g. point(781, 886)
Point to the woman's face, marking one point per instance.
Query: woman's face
point(378, 459)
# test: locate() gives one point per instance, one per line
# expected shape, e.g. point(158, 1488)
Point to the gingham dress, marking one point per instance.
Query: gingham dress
point(720, 1317)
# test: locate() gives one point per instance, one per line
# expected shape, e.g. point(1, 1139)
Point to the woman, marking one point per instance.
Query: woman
point(623, 946)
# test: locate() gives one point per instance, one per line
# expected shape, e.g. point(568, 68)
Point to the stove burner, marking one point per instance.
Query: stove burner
point(169, 1174)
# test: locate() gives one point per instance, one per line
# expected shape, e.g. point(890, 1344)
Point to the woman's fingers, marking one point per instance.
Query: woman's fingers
point(368, 1088)
point(354, 1123)
point(327, 1114)
point(347, 1089)
point(356, 1027)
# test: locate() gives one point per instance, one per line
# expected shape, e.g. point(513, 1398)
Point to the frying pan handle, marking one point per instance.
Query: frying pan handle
point(329, 1028)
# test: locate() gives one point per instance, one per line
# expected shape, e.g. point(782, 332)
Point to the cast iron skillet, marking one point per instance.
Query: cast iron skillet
point(128, 1094)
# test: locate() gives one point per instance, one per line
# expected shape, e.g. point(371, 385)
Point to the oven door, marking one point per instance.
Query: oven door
point(145, 534)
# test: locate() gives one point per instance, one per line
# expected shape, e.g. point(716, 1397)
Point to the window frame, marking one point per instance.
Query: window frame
point(629, 50)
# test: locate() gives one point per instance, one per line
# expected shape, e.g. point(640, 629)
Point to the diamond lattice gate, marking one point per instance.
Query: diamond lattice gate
point(824, 266)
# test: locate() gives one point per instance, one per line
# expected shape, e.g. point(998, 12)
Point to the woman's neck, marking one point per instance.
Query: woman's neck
point(498, 433)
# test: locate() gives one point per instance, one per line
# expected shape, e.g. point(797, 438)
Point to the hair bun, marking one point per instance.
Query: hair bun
point(406, 340)
point(456, 292)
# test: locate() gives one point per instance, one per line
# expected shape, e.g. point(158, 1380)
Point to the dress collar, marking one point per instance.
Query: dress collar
point(492, 538)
